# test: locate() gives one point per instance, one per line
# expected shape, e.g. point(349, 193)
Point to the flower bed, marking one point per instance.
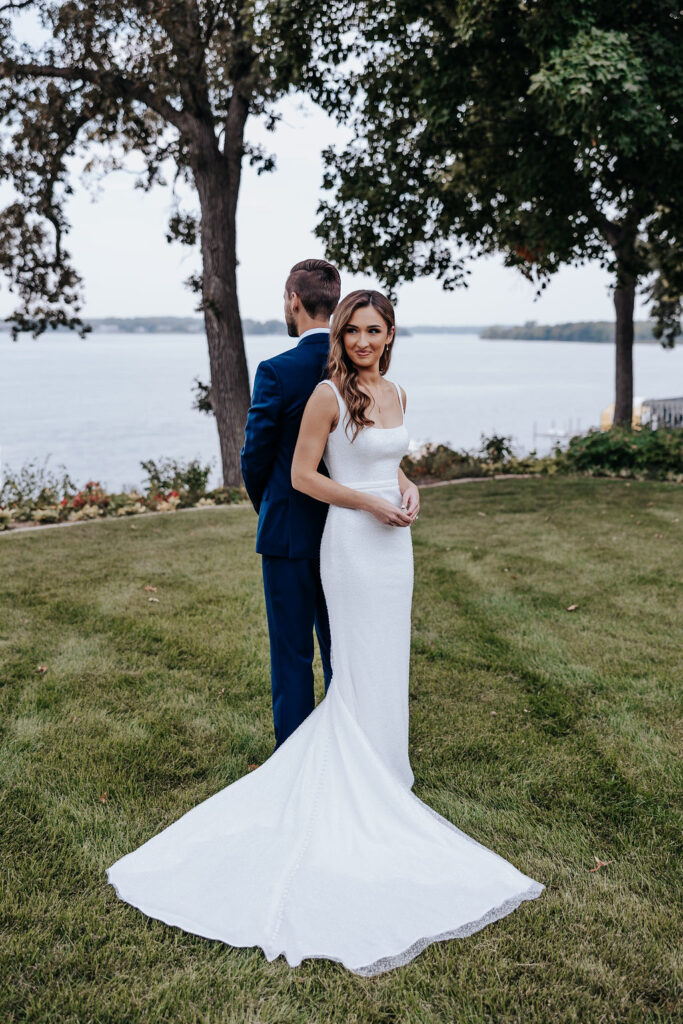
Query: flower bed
point(39, 496)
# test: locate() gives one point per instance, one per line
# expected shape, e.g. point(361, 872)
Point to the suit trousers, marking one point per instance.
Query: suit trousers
point(295, 605)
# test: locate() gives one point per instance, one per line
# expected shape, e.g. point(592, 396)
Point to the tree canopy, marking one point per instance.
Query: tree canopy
point(548, 130)
point(173, 81)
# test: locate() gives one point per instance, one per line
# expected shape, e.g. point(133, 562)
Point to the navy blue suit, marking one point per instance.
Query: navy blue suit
point(290, 527)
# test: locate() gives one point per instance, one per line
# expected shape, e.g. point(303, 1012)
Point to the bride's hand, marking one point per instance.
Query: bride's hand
point(387, 513)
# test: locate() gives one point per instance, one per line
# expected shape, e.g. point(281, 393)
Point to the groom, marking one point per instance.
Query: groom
point(290, 523)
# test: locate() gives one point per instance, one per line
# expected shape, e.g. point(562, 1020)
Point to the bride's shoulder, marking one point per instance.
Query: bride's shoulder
point(325, 393)
point(401, 391)
point(323, 401)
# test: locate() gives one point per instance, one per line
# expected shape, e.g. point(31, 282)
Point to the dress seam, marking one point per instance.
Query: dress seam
point(280, 907)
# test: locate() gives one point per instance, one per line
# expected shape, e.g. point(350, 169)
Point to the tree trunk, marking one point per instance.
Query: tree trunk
point(622, 236)
point(624, 297)
point(217, 176)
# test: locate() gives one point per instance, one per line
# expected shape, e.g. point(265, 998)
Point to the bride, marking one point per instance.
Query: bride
point(324, 851)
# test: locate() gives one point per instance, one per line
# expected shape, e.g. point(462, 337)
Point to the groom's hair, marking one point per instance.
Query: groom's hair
point(318, 285)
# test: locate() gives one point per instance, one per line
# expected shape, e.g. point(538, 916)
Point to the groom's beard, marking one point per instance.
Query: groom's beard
point(291, 326)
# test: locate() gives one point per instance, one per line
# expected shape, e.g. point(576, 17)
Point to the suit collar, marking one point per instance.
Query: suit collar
point(316, 334)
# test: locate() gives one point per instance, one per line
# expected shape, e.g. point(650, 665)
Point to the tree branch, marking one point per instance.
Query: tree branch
point(15, 6)
point(118, 85)
point(186, 38)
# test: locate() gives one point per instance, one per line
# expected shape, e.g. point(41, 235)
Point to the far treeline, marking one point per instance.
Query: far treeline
point(166, 325)
point(597, 330)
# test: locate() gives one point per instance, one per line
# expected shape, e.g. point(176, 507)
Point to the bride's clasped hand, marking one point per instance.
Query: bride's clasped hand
point(324, 850)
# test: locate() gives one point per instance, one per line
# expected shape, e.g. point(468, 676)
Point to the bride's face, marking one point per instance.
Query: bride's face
point(365, 336)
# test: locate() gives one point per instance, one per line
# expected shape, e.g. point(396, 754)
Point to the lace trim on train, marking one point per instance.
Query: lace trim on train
point(388, 963)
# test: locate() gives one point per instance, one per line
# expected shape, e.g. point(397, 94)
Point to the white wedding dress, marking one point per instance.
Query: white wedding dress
point(324, 851)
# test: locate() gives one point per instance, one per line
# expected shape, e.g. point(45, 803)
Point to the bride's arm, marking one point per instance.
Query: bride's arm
point(320, 414)
point(409, 490)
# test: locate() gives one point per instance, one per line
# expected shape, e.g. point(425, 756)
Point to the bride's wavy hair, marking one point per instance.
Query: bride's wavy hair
point(341, 369)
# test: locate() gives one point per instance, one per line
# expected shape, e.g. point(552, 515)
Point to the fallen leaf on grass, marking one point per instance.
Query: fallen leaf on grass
point(481, 513)
point(42, 669)
point(494, 712)
point(650, 502)
point(148, 586)
point(572, 607)
point(252, 766)
point(659, 536)
point(104, 797)
point(133, 527)
point(154, 600)
point(600, 863)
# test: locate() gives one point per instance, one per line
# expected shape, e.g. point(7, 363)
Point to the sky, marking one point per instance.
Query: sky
point(119, 246)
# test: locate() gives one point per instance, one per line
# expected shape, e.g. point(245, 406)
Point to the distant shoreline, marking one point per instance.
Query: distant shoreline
point(195, 325)
point(601, 331)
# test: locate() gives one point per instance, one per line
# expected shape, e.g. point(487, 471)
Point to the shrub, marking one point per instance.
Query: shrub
point(46, 515)
point(34, 486)
point(496, 449)
point(439, 462)
point(34, 494)
point(187, 479)
point(227, 495)
point(644, 453)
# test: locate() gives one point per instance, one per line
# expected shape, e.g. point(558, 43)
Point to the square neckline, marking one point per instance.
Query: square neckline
point(340, 402)
point(400, 405)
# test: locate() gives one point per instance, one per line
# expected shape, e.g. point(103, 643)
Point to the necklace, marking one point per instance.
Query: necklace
point(374, 398)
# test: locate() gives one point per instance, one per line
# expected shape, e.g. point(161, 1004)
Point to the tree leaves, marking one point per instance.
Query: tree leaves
point(167, 79)
point(550, 133)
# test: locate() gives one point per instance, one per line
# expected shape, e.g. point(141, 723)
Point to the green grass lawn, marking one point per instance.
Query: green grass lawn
point(551, 736)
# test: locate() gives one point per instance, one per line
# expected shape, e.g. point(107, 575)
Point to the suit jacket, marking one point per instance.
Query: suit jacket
point(290, 523)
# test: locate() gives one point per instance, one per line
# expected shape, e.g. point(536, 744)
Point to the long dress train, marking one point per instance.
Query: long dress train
point(324, 851)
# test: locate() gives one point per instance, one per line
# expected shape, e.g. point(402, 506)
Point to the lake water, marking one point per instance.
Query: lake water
point(100, 405)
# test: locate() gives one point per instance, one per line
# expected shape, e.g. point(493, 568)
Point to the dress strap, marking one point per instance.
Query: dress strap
point(340, 400)
point(400, 400)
